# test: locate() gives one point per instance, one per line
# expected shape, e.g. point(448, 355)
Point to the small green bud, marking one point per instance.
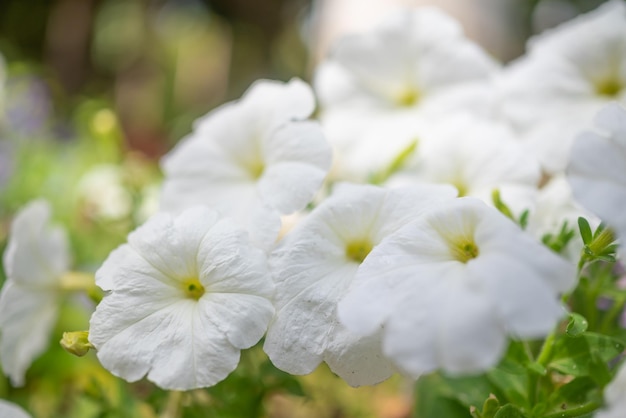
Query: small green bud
point(76, 342)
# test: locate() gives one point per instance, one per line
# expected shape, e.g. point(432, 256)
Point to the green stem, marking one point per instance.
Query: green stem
point(577, 411)
point(546, 350)
point(173, 405)
point(609, 318)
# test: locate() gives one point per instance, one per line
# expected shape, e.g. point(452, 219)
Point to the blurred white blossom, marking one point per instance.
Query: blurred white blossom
point(568, 74)
point(597, 170)
point(252, 160)
point(379, 87)
point(36, 258)
point(186, 294)
point(11, 410)
point(103, 194)
point(315, 265)
point(450, 287)
point(476, 156)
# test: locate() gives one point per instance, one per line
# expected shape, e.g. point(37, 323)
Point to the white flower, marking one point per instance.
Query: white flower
point(186, 295)
point(448, 289)
point(103, 193)
point(569, 74)
point(597, 170)
point(11, 410)
point(414, 66)
point(252, 160)
point(314, 266)
point(476, 156)
point(615, 396)
point(36, 258)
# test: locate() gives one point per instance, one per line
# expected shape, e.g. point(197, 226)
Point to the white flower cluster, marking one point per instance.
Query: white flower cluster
point(415, 273)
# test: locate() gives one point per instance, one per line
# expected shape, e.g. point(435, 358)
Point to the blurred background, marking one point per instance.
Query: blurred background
point(96, 91)
point(156, 65)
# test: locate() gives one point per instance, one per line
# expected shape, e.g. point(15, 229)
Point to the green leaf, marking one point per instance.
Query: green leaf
point(509, 411)
point(513, 386)
point(585, 230)
point(574, 392)
point(523, 219)
point(490, 406)
point(577, 325)
point(434, 399)
point(500, 205)
point(599, 230)
point(537, 368)
point(398, 163)
point(585, 356)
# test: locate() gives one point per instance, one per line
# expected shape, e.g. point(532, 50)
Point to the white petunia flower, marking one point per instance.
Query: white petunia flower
point(315, 265)
point(11, 410)
point(448, 289)
point(416, 65)
point(569, 74)
point(186, 295)
point(103, 193)
point(476, 156)
point(597, 170)
point(36, 258)
point(615, 396)
point(252, 160)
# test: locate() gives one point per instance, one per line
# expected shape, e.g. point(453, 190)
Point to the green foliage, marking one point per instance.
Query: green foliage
point(557, 242)
point(585, 355)
point(399, 162)
point(503, 207)
point(577, 325)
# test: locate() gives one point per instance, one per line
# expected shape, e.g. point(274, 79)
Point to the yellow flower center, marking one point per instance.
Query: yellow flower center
point(358, 250)
point(255, 168)
point(609, 87)
point(193, 288)
point(461, 187)
point(408, 97)
point(464, 250)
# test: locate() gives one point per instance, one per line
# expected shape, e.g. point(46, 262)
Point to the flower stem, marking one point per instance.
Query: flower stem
point(546, 350)
point(577, 411)
point(611, 315)
point(77, 281)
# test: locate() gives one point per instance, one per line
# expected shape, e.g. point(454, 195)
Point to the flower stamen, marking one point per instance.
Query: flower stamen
point(464, 250)
point(408, 98)
point(193, 288)
point(358, 250)
point(609, 87)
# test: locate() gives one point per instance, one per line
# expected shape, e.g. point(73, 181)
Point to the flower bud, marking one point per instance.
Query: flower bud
point(76, 342)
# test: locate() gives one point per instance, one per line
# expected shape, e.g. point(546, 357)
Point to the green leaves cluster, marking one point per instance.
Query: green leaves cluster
point(565, 380)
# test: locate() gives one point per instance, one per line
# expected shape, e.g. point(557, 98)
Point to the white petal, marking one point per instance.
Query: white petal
point(278, 102)
point(194, 352)
point(412, 329)
point(298, 158)
point(27, 318)
point(597, 171)
point(528, 308)
point(11, 410)
point(470, 337)
point(37, 254)
point(242, 318)
point(347, 354)
point(304, 323)
point(228, 264)
point(171, 244)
